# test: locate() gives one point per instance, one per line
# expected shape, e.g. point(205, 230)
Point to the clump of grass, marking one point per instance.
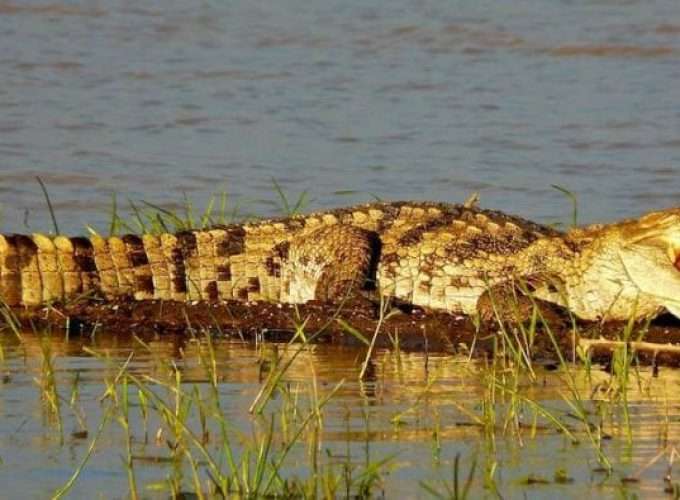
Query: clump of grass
point(202, 441)
point(150, 218)
point(453, 489)
point(384, 313)
point(505, 406)
point(207, 456)
point(211, 458)
point(48, 386)
point(287, 207)
point(9, 321)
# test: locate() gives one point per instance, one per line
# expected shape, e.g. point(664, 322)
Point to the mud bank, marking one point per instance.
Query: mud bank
point(415, 330)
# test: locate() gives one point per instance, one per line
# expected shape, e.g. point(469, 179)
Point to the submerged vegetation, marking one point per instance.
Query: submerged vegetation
point(185, 425)
point(188, 424)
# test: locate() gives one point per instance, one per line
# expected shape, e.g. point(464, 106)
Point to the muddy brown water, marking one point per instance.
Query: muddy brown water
point(398, 100)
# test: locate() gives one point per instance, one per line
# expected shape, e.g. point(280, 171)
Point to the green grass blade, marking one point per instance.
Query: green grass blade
point(113, 226)
point(49, 204)
point(284, 199)
point(574, 202)
point(137, 216)
point(353, 331)
point(69, 484)
point(207, 213)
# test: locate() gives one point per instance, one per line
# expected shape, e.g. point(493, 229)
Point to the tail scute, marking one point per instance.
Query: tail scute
point(31, 282)
point(108, 276)
point(158, 266)
point(48, 264)
point(142, 284)
point(10, 275)
point(70, 271)
point(122, 265)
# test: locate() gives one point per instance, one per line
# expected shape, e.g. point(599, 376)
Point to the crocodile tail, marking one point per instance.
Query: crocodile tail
point(10, 271)
point(191, 265)
point(38, 270)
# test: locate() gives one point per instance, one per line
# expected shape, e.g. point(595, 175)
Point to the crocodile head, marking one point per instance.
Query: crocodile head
point(649, 251)
point(626, 269)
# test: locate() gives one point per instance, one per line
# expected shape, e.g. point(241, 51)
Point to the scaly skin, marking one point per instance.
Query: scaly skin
point(434, 255)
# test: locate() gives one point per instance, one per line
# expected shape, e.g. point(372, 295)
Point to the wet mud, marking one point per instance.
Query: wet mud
point(656, 344)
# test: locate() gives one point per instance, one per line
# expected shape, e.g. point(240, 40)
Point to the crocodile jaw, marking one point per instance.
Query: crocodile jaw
point(652, 264)
point(625, 270)
point(629, 269)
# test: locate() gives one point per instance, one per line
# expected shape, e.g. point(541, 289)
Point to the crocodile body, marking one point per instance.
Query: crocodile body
point(435, 255)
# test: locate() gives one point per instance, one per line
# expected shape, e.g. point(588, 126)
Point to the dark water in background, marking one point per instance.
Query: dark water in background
point(422, 99)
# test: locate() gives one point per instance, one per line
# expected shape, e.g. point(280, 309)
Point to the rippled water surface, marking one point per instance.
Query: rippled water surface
point(349, 100)
point(428, 100)
point(415, 412)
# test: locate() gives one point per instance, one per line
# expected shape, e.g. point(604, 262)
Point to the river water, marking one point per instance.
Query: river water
point(415, 411)
point(348, 100)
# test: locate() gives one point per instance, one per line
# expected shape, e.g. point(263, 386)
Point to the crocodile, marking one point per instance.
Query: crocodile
point(431, 255)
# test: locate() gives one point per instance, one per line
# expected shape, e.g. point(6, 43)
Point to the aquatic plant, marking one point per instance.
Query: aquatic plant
point(184, 425)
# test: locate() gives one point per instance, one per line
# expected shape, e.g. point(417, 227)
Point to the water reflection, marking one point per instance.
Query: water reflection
point(407, 404)
point(349, 102)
